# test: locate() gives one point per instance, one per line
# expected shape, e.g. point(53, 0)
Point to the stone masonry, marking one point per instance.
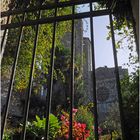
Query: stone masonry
point(107, 94)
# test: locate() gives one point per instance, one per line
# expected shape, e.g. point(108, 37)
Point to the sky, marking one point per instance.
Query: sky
point(103, 47)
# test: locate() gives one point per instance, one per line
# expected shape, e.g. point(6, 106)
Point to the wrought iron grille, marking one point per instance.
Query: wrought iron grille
point(54, 20)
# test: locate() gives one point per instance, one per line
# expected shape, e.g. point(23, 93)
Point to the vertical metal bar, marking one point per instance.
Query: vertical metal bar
point(134, 29)
point(49, 95)
point(117, 77)
point(94, 77)
point(3, 38)
point(72, 79)
point(27, 102)
point(12, 79)
point(135, 35)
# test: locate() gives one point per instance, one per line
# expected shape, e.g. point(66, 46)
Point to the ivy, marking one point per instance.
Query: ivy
point(43, 52)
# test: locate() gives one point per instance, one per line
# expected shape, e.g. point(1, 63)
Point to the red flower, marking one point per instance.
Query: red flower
point(83, 126)
point(99, 130)
point(67, 136)
point(62, 117)
point(79, 129)
point(74, 110)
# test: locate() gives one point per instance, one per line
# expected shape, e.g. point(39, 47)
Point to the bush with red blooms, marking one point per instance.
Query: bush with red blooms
point(79, 129)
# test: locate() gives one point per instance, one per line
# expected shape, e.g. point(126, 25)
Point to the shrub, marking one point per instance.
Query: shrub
point(6, 136)
point(84, 115)
point(8, 133)
point(80, 130)
point(37, 128)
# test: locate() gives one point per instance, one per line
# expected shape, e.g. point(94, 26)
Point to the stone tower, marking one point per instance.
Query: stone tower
point(78, 38)
point(87, 69)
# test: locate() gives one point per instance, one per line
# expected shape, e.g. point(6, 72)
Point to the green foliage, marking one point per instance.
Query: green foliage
point(123, 32)
point(123, 26)
point(43, 53)
point(125, 40)
point(115, 135)
point(6, 136)
point(62, 63)
point(117, 6)
point(80, 130)
point(79, 84)
point(130, 93)
point(8, 133)
point(112, 121)
point(54, 127)
point(37, 128)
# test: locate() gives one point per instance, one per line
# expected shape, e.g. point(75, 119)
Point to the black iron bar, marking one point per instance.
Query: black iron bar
point(113, 5)
point(94, 77)
point(135, 36)
point(12, 79)
point(27, 100)
point(57, 19)
point(118, 86)
point(135, 31)
point(50, 87)
point(72, 79)
point(4, 35)
point(47, 7)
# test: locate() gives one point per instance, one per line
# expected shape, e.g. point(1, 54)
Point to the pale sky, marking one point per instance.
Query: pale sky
point(103, 47)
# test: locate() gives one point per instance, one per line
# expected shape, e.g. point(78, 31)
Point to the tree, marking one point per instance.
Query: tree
point(123, 23)
point(130, 93)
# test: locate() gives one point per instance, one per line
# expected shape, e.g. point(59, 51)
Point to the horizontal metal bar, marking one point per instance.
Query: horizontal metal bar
point(47, 7)
point(56, 19)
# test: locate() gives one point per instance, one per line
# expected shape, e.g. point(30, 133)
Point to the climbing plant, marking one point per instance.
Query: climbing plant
point(44, 46)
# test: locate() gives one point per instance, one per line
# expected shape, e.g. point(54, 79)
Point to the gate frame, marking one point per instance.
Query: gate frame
point(91, 14)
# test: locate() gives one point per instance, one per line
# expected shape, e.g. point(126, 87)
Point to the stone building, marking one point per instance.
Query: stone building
point(106, 90)
point(87, 69)
point(107, 94)
point(78, 39)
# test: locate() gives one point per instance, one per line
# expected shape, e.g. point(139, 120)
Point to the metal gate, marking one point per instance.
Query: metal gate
point(55, 19)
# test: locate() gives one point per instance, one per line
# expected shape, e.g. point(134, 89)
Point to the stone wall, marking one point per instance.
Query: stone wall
point(78, 38)
point(16, 107)
point(107, 94)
